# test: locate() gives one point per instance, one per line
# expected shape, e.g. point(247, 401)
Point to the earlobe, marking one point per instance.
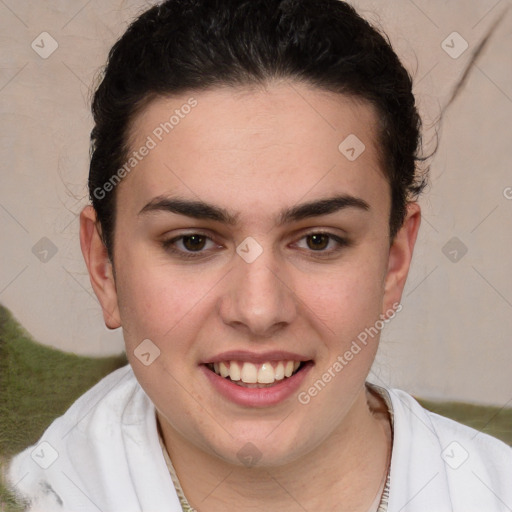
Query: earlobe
point(99, 267)
point(400, 256)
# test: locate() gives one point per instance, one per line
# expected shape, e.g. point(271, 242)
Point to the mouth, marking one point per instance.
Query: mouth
point(262, 375)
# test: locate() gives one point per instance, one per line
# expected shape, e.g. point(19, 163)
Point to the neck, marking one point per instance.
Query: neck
point(348, 468)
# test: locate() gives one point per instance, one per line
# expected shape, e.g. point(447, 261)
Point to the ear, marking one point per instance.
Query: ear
point(400, 255)
point(99, 266)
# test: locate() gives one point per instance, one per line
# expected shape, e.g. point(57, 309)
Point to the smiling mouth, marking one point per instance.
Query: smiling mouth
point(252, 375)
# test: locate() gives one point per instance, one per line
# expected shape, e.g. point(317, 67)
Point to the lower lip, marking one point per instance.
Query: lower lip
point(257, 397)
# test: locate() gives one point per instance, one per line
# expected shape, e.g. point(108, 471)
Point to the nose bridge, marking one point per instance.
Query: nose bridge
point(259, 297)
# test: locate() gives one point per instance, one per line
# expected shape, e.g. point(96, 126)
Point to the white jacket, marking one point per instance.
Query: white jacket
point(104, 454)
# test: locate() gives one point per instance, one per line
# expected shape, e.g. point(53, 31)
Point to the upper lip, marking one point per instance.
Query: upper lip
point(256, 358)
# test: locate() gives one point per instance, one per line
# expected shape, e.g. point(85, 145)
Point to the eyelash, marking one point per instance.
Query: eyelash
point(168, 245)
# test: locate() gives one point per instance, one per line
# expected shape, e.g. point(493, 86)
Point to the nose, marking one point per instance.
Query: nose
point(259, 299)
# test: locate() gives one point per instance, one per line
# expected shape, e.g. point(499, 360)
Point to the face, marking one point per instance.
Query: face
point(248, 244)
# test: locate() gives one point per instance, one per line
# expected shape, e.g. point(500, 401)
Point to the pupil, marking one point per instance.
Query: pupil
point(196, 242)
point(319, 238)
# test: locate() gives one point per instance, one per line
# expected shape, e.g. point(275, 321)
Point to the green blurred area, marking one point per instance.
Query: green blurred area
point(495, 421)
point(38, 384)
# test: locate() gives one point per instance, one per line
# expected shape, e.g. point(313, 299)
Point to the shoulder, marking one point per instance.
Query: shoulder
point(91, 438)
point(445, 430)
point(101, 410)
point(438, 460)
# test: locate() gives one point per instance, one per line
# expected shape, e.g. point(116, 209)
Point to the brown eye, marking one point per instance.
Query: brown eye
point(323, 244)
point(193, 245)
point(194, 242)
point(318, 241)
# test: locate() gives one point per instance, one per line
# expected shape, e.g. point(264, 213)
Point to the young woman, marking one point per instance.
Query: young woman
point(254, 182)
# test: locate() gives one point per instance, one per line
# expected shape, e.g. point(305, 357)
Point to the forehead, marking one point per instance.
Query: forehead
point(279, 143)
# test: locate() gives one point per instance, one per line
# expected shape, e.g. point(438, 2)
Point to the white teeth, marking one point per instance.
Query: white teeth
point(279, 371)
point(234, 371)
point(224, 370)
point(266, 374)
point(250, 373)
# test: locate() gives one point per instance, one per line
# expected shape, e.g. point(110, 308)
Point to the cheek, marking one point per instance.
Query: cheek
point(156, 301)
point(347, 298)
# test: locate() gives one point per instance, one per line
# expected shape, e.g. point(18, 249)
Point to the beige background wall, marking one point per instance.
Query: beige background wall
point(451, 340)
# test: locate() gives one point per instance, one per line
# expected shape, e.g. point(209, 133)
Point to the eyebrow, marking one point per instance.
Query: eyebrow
point(206, 211)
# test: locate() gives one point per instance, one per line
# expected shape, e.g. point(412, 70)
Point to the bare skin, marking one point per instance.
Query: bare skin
point(253, 153)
